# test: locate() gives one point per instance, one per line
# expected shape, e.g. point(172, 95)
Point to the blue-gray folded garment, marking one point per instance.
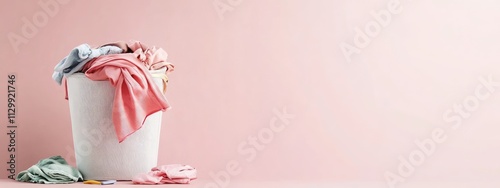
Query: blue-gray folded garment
point(78, 57)
point(54, 170)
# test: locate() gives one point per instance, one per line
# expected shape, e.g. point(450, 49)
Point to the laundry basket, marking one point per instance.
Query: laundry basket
point(99, 155)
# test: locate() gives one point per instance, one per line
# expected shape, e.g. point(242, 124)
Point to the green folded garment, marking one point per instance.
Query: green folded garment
point(53, 170)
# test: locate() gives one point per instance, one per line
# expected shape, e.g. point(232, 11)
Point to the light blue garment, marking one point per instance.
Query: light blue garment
point(78, 57)
point(53, 170)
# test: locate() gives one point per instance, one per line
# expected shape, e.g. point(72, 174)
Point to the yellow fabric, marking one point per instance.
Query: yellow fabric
point(94, 182)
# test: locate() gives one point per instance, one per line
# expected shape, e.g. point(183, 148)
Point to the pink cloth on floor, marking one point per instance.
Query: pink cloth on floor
point(167, 174)
point(136, 94)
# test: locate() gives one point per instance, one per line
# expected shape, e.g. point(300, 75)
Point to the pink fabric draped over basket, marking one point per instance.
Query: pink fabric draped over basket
point(136, 95)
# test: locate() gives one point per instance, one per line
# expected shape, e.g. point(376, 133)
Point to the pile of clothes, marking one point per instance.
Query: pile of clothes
point(55, 170)
point(127, 67)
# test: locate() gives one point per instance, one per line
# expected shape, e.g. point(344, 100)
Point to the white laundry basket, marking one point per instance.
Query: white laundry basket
point(99, 155)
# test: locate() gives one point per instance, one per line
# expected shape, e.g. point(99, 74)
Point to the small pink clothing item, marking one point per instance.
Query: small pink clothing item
point(167, 174)
point(136, 95)
point(153, 58)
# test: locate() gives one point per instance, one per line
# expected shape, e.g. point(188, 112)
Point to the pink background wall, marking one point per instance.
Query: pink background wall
point(351, 119)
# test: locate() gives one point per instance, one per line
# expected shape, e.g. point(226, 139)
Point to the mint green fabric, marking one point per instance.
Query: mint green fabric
point(53, 170)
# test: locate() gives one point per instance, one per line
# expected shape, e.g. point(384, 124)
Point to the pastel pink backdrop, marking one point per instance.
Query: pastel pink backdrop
point(352, 119)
